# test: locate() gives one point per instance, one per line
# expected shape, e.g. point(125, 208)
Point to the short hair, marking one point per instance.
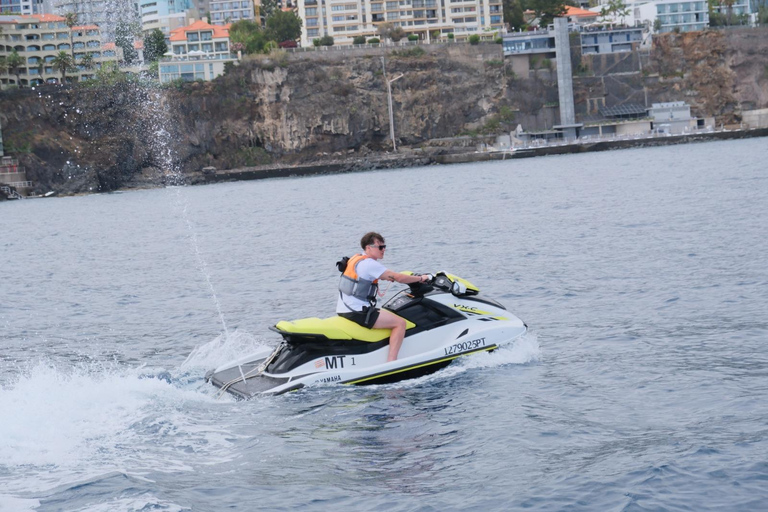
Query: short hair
point(369, 238)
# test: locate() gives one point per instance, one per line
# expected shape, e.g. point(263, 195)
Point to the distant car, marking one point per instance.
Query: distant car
point(288, 44)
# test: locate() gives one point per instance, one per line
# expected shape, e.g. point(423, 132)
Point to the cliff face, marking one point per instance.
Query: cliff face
point(718, 72)
point(333, 102)
point(320, 105)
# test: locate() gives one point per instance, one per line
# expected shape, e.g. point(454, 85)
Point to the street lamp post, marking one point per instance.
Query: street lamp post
point(389, 102)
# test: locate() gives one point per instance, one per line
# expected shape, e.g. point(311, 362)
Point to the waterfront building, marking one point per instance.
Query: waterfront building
point(347, 19)
point(672, 118)
point(199, 52)
point(38, 39)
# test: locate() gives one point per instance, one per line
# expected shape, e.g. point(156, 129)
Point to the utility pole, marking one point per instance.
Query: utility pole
point(389, 102)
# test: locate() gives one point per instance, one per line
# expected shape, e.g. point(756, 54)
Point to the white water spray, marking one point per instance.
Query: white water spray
point(158, 118)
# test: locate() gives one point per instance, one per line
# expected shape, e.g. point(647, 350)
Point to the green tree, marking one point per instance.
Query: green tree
point(615, 9)
point(547, 10)
point(124, 40)
point(267, 8)
point(109, 73)
point(63, 62)
point(326, 41)
point(70, 19)
point(87, 62)
point(154, 45)
point(358, 40)
point(474, 39)
point(13, 63)
point(249, 34)
point(513, 14)
point(283, 26)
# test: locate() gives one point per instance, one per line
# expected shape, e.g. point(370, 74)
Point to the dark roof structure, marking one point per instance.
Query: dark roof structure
point(626, 111)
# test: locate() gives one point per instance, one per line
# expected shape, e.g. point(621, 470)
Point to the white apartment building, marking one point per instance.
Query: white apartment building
point(346, 19)
point(230, 11)
point(680, 15)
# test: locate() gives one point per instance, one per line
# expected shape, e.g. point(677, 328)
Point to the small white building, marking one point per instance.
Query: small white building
point(197, 52)
point(673, 118)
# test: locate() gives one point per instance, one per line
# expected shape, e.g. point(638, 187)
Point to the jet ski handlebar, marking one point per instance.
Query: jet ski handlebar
point(444, 282)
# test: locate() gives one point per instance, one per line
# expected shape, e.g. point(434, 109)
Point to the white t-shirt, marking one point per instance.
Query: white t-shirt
point(369, 269)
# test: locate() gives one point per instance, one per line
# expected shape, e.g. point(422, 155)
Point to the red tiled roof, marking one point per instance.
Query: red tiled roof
point(108, 46)
point(43, 17)
point(180, 34)
point(139, 45)
point(578, 12)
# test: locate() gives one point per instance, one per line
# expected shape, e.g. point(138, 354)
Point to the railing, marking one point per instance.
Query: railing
point(388, 44)
point(10, 193)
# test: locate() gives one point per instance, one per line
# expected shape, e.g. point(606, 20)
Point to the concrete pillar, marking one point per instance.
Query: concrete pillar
point(564, 72)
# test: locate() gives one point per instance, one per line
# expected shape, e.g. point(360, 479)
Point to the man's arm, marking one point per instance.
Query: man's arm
point(389, 275)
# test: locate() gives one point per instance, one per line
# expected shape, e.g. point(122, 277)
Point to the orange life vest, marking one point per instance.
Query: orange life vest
point(352, 284)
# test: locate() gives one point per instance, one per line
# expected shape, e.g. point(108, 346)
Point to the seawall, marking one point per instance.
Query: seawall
point(411, 160)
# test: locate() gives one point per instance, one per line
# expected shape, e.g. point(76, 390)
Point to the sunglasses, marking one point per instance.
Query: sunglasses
point(380, 247)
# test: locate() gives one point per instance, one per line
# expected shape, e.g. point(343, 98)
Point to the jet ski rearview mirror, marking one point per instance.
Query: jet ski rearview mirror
point(458, 288)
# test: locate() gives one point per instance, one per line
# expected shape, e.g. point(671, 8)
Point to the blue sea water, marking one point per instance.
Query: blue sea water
point(641, 385)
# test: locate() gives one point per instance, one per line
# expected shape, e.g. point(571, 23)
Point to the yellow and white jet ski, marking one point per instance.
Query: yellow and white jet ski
point(446, 318)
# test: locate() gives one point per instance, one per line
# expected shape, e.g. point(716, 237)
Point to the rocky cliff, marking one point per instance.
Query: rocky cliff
point(296, 108)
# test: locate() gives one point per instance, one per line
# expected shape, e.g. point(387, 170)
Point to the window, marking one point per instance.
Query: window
point(193, 36)
point(310, 11)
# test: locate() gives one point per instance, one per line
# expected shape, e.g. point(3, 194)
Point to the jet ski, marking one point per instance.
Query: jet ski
point(446, 318)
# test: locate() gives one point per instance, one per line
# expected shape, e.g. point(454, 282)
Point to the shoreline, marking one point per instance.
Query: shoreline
point(417, 158)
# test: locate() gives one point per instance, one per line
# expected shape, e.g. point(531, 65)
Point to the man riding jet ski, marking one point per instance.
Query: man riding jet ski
point(444, 318)
point(359, 285)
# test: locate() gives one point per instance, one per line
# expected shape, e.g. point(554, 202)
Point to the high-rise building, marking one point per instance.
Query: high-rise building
point(166, 15)
point(346, 19)
point(230, 11)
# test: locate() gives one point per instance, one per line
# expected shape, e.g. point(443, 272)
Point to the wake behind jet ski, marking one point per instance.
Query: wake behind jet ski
point(446, 318)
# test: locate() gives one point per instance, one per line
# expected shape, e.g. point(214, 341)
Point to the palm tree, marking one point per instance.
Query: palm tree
point(63, 62)
point(13, 63)
point(87, 61)
point(71, 20)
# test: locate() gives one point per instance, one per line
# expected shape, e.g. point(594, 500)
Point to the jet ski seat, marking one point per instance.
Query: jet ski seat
point(335, 328)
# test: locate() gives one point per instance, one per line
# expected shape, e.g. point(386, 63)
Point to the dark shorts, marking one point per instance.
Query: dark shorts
point(362, 317)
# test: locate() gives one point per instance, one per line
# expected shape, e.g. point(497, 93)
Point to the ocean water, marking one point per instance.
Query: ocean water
point(641, 385)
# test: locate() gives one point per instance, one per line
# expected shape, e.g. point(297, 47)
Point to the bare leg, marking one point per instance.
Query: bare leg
point(388, 320)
